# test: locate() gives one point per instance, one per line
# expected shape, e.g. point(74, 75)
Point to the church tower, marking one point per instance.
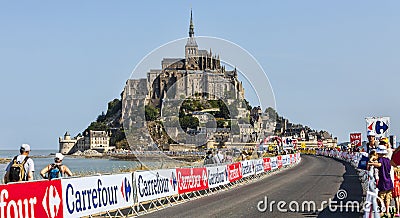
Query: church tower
point(191, 48)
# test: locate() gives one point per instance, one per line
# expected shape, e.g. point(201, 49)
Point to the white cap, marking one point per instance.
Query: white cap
point(25, 147)
point(381, 149)
point(370, 133)
point(59, 156)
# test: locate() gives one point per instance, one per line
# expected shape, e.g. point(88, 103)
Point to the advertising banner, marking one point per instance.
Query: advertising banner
point(217, 176)
point(355, 139)
point(96, 194)
point(234, 171)
point(274, 163)
point(279, 161)
point(31, 199)
point(294, 142)
point(267, 164)
point(247, 168)
point(320, 144)
point(285, 160)
point(380, 126)
point(191, 179)
point(259, 166)
point(155, 184)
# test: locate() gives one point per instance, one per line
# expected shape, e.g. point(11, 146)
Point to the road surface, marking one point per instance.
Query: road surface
point(315, 179)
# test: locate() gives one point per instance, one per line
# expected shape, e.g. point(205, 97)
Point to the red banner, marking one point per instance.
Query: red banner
point(191, 179)
point(280, 164)
point(320, 144)
point(355, 139)
point(267, 164)
point(234, 171)
point(31, 199)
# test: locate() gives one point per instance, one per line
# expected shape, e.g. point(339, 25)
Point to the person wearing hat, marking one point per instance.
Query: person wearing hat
point(56, 169)
point(372, 143)
point(23, 174)
point(385, 183)
point(385, 141)
point(209, 158)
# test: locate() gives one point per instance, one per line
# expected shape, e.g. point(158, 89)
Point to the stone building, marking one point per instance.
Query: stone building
point(92, 140)
point(198, 75)
point(67, 144)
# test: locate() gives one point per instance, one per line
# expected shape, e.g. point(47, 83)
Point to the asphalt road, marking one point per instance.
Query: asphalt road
point(315, 179)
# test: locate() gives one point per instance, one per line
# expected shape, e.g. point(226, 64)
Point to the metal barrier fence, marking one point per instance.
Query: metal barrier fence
point(131, 194)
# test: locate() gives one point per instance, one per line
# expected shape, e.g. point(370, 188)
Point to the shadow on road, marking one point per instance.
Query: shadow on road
point(343, 206)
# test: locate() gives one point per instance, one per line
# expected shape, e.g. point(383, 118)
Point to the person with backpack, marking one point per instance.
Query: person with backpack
point(209, 158)
point(21, 167)
point(56, 169)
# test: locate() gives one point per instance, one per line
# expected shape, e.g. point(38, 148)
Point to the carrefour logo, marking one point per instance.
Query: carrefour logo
point(51, 201)
point(126, 189)
point(173, 181)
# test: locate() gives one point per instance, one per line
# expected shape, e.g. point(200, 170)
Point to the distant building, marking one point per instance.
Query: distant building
point(246, 133)
point(67, 144)
point(92, 140)
point(199, 75)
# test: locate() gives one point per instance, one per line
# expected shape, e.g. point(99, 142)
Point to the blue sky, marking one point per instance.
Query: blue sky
point(330, 64)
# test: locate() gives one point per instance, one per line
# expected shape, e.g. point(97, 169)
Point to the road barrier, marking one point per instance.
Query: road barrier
point(367, 179)
point(130, 194)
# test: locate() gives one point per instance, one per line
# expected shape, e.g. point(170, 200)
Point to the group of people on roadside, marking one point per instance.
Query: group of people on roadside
point(387, 172)
point(22, 167)
point(215, 158)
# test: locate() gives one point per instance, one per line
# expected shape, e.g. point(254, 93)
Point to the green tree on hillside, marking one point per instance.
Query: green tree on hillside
point(113, 107)
point(188, 121)
point(151, 113)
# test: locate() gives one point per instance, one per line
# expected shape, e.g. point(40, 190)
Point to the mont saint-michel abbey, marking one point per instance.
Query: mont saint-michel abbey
point(198, 75)
point(200, 72)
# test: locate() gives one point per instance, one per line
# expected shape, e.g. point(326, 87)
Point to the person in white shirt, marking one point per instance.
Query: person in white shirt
point(29, 166)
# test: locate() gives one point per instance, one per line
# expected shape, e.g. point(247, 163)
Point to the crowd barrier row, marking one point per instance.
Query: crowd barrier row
point(85, 196)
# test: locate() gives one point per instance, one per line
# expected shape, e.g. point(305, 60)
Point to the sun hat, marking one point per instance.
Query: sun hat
point(381, 149)
point(384, 139)
point(25, 147)
point(59, 156)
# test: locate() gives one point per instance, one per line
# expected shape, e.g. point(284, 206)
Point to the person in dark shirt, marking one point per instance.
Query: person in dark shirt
point(372, 143)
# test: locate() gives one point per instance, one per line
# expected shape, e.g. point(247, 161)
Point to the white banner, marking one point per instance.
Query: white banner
point(380, 126)
point(247, 168)
point(155, 184)
point(285, 160)
point(217, 176)
point(274, 163)
point(259, 166)
point(90, 195)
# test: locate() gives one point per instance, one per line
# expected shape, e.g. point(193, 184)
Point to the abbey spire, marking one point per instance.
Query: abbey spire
point(191, 26)
point(191, 48)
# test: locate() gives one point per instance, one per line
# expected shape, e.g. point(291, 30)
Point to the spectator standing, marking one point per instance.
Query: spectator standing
point(385, 184)
point(56, 169)
point(372, 143)
point(21, 167)
point(396, 190)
